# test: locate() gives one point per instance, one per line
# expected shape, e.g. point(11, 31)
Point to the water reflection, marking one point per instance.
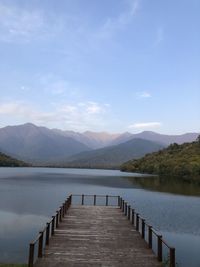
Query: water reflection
point(166, 184)
point(30, 196)
point(16, 231)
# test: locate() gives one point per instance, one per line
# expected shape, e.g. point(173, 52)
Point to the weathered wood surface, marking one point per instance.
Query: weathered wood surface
point(97, 236)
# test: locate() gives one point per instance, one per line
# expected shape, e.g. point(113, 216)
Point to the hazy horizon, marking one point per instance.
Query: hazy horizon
point(98, 132)
point(114, 66)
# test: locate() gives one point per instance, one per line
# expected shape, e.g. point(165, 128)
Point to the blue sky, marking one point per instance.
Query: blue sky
point(109, 65)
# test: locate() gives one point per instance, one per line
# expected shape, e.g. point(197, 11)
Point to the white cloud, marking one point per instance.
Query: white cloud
point(79, 116)
point(113, 24)
point(144, 94)
point(24, 88)
point(12, 108)
point(134, 6)
point(58, 87)
point(94, 108)
point(55, 85)
point(142, 125)
point(19, 24)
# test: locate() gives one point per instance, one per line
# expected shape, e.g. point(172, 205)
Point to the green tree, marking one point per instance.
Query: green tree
point(198, 139)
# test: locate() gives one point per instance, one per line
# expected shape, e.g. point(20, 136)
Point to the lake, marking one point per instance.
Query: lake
point(29, 196)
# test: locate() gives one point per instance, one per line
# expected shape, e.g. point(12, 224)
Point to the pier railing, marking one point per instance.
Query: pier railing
point(36, 247)
point(96, 200)
point(148, 233)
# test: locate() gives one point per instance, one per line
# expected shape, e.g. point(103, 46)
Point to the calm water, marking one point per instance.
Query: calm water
point(29, 196)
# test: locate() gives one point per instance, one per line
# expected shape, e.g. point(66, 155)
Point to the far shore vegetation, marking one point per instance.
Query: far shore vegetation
point(12, 265)
point(176, 160)
point(7, 161)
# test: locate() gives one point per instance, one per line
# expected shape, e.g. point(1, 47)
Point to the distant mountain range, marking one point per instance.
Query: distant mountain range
point(43, 146)
point(113, 156)
point(91, 139)
point(38, 145)
point(159, 138)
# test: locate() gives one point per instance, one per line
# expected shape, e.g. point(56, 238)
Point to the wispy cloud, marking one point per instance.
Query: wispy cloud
point(78, 116)
point(144, 94)
point(57, 86)
point(93, 107)
point(19, 24)
point(145, 125)
point(113, 24)
point(159, 36)
point(134, 6)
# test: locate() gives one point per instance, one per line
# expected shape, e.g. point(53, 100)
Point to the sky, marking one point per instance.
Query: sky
point(108, 65)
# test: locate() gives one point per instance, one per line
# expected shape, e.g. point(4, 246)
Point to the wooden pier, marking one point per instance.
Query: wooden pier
point(98, 231)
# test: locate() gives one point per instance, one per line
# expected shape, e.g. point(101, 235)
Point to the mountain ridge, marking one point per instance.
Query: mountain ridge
point(42, 146)
point(181, 161)
point(37, 144)
point(113, 156)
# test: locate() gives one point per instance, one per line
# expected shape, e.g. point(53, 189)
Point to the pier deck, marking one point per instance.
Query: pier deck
point(96, 236)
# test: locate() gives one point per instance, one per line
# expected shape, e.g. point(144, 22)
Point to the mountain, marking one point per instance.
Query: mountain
point(6, 161)
point(176, 160)
point(93, 140)
point(43, 146)
point(96, 140)
point(113, 156)
point(156, 137)
point(122, 138)
point(38, 144)
point(101, 139)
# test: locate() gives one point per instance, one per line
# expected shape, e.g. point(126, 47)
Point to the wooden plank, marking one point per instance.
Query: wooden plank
point(97, 236)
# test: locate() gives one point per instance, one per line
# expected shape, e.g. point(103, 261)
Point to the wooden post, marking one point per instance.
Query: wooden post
point(66, 203)
point(63, 210)
point(137, 221)
point(150, 236)
point(118, 199)
point(133, 217)
point(125, 208)
point(70, 200)
point(47, 234)
point(94, 200)
point(31, 255)
point(143, 228)
point(57, 218)
point(120, 202)
point(172, 257)
point(129, 212)
point(106, 200)
point(82, 201)
point(40, 245)
point(159, 248)
point(65, 207)
point(53, 225)
point(60, 214)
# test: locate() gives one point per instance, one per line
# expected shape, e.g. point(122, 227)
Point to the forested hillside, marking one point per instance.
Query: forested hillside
point(176, 160)
point(113, 156)
point(6, 161)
